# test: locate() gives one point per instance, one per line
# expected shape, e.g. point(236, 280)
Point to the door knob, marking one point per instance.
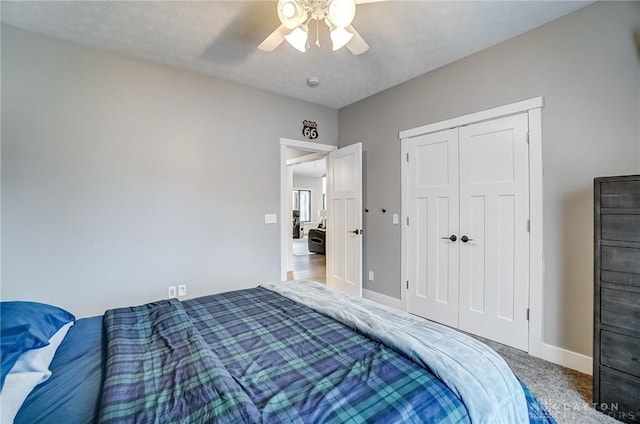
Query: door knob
point(465, 239)
point(356, 232)
point(452, 237)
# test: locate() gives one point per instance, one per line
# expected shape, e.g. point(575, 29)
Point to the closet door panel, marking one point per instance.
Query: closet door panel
point(473, 269)
point(433, 211)
point(494, 205)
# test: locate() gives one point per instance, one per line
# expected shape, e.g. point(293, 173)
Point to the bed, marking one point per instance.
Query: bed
point(286, 352)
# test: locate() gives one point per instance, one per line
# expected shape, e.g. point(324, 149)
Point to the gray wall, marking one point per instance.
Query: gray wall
point(121, 177)
point(587, 68)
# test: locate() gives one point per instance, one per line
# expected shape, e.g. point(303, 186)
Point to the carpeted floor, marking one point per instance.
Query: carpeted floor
point(564, 392)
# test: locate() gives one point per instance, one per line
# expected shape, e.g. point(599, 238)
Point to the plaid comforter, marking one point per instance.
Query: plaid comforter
point(160, 370)
point(300, 366)
point(256, 356)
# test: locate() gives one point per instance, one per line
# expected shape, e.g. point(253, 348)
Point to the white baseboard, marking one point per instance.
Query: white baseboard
point(383, 299)
point(566, 358)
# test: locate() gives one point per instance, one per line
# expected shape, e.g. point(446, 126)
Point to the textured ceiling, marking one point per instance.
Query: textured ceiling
point(316, 169)
point(220, 38)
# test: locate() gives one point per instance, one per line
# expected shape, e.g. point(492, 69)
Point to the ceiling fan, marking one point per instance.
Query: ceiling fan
point(296, 15)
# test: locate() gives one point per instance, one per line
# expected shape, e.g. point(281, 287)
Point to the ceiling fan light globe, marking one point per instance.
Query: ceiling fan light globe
point(340, 37)
point(298, 39)
point(291, 13)
point(341, 12)
point(288, 10)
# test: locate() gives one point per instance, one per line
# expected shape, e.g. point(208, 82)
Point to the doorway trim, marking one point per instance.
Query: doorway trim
point(285, 206)
point(533, 107)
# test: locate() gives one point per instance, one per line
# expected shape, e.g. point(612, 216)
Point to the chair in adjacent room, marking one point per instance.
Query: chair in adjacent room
point(316, 240)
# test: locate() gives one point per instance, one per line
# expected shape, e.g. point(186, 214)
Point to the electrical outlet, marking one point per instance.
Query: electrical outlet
point(370, 275)
point(395, 218)
point(172, 292)
point(182, 290)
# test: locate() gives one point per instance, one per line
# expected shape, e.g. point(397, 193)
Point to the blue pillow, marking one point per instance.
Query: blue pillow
point(13, 342)
point(25, 326)
point(45, 320)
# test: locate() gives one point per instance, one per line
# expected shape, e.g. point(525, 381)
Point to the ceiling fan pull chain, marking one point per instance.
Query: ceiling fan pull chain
point(317, 33)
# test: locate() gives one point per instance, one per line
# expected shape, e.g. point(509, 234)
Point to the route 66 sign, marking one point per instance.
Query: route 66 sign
point(310, 129)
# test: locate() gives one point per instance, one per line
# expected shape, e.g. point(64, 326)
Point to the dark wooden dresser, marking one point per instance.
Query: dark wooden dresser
point(616, 346)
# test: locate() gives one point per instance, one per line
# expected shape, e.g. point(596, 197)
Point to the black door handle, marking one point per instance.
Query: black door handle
point(465, 239)
point(356, 232)
point(452, 237)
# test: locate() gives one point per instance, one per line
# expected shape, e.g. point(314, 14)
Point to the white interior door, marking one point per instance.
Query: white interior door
point(433, 208)
point(344, 219)
point(494, 213)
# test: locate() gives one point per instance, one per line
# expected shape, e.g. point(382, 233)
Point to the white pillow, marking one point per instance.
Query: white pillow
point(31, 369)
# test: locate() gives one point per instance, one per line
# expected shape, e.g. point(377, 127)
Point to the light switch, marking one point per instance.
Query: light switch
point(370, 275)
point(270, 218)
point(395, 218)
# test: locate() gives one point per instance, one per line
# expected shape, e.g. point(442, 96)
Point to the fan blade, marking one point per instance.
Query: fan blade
point(274, 39)
point(357, 45)
point(368, 1)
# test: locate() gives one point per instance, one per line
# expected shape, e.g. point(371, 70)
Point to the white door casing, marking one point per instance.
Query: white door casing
point(289, 201)
point(433, 200)
point(494, 210)
point(471, 184)
point(344, 219)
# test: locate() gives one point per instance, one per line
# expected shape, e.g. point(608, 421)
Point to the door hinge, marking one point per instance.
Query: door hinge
point(527, 314)
point(407, 221)
point(407, 157)
point(407, 284)
point(527, 137)
point(528, 225)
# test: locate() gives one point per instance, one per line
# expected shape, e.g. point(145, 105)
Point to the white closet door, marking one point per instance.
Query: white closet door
point(433, 207)
point(494, 205)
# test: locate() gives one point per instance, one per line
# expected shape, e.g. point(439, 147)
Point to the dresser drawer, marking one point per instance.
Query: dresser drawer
point(620, 227)
point(620, 352)
point(620, 194)
point(619, 397)
point(620, 308)
point(620, 265)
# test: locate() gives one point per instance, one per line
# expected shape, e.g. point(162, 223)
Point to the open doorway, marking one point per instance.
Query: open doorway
point(308, 207)
point(344, 230)
point(293, 153)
